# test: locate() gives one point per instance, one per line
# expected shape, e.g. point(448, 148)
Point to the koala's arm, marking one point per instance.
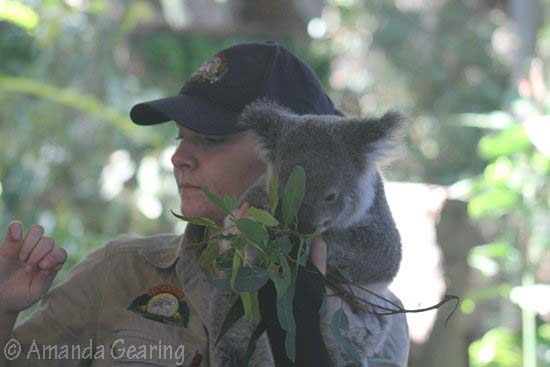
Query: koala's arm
point(382, 337)
point(370, 251)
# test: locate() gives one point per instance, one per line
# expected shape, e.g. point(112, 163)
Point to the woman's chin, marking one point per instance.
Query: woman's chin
point(191, 211)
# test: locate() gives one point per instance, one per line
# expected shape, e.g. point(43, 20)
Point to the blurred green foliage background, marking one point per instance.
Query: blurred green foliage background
point(473, 76)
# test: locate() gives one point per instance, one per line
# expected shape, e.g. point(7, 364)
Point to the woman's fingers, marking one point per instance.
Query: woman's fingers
point(30, 241)
point(54, 260)
point(318, 254)
point(42, 248)
point(10, 247)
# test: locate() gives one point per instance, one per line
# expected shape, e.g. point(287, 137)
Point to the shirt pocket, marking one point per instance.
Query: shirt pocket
point(134, 347)
point(136, 340)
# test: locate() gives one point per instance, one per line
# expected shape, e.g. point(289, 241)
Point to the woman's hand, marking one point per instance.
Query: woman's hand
point(318, 254)
point(27, 267)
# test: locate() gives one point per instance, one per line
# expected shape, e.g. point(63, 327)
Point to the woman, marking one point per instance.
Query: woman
point(140, 299)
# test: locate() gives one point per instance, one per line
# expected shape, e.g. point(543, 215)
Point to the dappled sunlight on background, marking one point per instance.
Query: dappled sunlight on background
point(470, 194)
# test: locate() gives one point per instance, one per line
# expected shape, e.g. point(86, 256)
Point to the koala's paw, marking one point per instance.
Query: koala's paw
point(256, 196)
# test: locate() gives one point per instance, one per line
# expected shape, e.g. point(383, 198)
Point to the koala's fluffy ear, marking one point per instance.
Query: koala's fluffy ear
point(267, 119)
point(379, 140)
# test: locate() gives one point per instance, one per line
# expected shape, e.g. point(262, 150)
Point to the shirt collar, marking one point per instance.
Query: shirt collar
point(165, 255)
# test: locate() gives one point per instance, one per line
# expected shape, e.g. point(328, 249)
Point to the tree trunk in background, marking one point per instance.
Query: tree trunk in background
point(526, 15)
point(447, 346)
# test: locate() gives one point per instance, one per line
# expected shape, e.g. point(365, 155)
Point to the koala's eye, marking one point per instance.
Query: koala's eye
point(330, 198)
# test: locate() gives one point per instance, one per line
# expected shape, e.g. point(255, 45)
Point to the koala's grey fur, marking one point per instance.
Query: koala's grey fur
point(344, 194)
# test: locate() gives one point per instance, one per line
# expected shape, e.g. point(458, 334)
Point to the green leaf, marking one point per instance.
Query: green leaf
point(493, 203)
point(510, 140)
point(209, 254)
point(215, 199)
point(282, 245)
point(302, 258)
point(315, 233)
point(248, 279)
point(22, 15)
point(247, 304)
point(293, 194)
point(230, 203)
point(197, 220)
point(503, 250)
point(263, 216)
point(273, 194)
point(284, 305)
point(255, 305)
point(235, 313)
point(251, 229)
point(237, 260)
point(287, 274)
point(290, 344)
point(281, 281)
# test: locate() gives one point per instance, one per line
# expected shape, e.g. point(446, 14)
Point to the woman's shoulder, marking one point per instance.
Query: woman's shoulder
point(155, 243)
point(158, 250)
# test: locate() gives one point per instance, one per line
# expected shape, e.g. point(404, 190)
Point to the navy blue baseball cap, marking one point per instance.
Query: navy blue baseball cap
point(213, 97)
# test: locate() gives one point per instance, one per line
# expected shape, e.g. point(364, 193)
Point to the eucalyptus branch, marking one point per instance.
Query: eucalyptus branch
point(353, 299)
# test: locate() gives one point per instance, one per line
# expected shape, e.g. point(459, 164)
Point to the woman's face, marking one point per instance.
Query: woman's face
point(225, 164)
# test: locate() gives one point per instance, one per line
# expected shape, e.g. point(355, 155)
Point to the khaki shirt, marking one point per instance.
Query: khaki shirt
point(86, 320)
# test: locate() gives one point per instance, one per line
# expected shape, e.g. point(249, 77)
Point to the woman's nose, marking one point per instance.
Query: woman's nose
point(183, 156)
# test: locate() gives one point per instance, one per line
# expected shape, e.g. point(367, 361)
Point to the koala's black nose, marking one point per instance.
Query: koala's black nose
point(330, 198)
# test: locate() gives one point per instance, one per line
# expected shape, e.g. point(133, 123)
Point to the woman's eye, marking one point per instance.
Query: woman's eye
point(208, 141)
point(213, 140)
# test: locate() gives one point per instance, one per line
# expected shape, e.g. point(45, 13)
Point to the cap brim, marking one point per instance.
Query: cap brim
point(194, 113)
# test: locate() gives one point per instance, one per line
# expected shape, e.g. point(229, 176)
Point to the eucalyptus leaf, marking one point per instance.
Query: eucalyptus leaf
point(290, 344)
point(263, 216)
point(247, 305)
point(284, 305)
point(248, 279)
point(237, 260)
point(273, 194)
point(255, 305)
point(253, 230)
point(293, 194)
point(281, 281)
point(197, 220)
point(215, 199)
point(230, 203)
point(209, 254)
point(282, 245)
point(287, 274)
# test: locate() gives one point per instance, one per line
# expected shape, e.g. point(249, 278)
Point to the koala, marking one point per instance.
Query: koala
point(344, 195)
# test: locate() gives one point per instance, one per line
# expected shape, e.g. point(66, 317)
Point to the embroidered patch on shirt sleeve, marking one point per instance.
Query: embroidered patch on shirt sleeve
point(164, 303)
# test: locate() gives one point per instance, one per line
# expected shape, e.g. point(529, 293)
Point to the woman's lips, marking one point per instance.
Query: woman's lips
point(189, 187)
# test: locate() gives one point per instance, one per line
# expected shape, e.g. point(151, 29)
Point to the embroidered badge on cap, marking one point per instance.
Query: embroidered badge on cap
point(212, 70)
point(164, 303)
